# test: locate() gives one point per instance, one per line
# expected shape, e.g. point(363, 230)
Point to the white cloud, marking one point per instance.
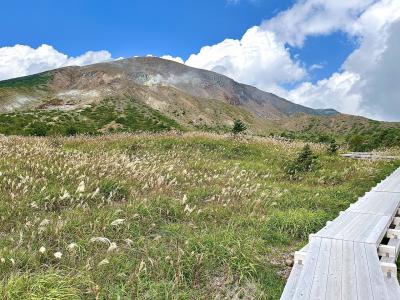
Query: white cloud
point(335, 92)
point(258, 58)
point(176, 59)
point(368, 82)
point(315, 17)
point(21, 60)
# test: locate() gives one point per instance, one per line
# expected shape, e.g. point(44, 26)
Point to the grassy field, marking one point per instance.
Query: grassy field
point(162, 216)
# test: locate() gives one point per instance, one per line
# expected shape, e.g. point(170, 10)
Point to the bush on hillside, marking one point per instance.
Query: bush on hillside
point(238, 127)
point(305, 162)
point(333, 147)
point(38, 129)
point(358, 143)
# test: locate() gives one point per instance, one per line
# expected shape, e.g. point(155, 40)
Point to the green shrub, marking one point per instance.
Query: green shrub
point(358, 143)
point(238, 127)
point(71, 131)
point(297, 223)
point(45, 286)
point(38, 129)
point(305, 162)
point(333, 147)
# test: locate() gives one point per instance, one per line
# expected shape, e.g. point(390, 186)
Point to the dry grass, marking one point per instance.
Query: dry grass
point(163, 216)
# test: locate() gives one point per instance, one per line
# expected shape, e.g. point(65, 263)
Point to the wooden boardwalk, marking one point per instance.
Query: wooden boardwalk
point(354, 256)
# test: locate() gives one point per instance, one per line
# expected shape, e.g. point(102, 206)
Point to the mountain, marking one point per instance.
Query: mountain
point(167, 92)
point(154, 72)
point(152, 94)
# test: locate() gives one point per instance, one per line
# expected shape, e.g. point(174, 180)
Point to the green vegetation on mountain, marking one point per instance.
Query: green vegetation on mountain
point(35, 81)
point(359, 134)
point(107, 116)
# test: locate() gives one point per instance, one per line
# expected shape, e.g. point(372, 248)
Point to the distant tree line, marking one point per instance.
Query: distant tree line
point(361, 142)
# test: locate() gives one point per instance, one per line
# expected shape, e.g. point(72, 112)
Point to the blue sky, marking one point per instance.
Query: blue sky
point(127, 28)
point(319, 53)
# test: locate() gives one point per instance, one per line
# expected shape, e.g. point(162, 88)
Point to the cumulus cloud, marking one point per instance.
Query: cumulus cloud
point(315, 17)
point(176, 59)
point(21, 60)
point(366, 82)
point(334, 92)
point(258, 58)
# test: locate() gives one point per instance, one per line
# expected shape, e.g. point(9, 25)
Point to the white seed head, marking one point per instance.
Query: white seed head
point(117, 222)
point(44, 222)
point(113, 247)
point(100, 239)
point(104, 262)
point(72, 246)
point(81, 187)
point(128, 242)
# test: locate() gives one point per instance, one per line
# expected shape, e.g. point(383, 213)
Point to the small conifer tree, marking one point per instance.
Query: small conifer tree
point(238, 127)
point(333, 147)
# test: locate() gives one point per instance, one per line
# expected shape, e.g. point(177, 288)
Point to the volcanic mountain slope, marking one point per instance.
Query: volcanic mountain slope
point(191, 97)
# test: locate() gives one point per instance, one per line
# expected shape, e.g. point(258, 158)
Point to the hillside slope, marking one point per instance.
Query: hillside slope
point(192, 97)
point(153, 94)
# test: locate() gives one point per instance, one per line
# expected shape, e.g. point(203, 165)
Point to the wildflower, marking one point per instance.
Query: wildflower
point(42, 250)
point(3, 260)
point(58, 255)
point(81, 187)
point(117, 222)
point(12, 261)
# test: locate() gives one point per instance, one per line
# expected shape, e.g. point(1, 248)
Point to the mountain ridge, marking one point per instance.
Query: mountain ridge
point(162, 93)
point(151, 71)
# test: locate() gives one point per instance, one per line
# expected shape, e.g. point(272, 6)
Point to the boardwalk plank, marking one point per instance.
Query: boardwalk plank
point(349, 280)
point(342, 261)
point(318, 289)
point(334, 284)
point(375, 273)
point(291, 284)
point(364, 290)
point(305, 282)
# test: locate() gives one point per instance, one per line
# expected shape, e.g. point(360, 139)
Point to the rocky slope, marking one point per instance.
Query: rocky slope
point(190, 96)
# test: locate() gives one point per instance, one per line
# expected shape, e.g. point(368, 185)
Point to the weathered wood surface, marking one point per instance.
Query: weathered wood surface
point(369, 155)
point(341, 260)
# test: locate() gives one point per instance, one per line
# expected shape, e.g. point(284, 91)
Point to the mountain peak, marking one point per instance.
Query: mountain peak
point(201, 96)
